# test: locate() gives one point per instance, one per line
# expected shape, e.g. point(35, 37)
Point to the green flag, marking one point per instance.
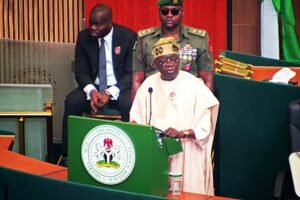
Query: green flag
point(290, 42)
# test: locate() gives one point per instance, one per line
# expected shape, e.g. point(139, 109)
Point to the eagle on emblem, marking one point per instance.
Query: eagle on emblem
point(106, 154)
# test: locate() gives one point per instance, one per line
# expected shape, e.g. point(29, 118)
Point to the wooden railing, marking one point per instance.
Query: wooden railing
point(41, 20)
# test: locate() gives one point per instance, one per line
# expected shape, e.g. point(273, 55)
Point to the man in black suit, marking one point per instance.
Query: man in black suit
point(101, 87)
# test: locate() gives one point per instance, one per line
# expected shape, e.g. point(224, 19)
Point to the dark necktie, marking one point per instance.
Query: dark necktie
point(102, 67)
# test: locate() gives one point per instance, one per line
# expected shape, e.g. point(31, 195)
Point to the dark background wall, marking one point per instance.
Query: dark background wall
point(245, 25)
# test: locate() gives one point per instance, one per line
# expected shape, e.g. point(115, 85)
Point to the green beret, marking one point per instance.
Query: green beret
point(169, 2)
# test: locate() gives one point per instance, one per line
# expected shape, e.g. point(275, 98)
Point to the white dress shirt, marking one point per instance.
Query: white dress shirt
point(111, 79)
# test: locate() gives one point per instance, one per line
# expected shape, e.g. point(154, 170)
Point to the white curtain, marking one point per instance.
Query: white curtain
point(269, 30)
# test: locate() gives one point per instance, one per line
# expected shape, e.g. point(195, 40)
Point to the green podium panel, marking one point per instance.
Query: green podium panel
point(119, 155)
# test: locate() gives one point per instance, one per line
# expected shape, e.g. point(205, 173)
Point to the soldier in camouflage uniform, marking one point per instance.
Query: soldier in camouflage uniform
point(195, 55)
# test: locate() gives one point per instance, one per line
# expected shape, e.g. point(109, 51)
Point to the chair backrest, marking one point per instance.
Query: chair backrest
point(105, 113)
point(294, 125)
point(98, 116)
point(294, 160)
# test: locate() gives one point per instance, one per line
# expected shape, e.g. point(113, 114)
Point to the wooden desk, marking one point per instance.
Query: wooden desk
point(262, 73)
point(6, 141)
point(26, 164)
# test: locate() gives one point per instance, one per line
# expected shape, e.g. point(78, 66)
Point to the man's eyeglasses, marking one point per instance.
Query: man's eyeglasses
point(174, 11)
point(165, 60)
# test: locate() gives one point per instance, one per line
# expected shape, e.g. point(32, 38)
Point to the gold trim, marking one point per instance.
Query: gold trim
point(101, 116)
point(7, 136)
point(48, 106)
point(233, 67)
point(222, 60)
point(25, 114)
point(21, 119)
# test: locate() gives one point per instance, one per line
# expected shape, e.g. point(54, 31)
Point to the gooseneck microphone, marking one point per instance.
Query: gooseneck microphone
point(150, 90)
point(159, 133)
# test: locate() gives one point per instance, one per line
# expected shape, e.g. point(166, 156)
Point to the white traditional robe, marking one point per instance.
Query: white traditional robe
point(183, 103)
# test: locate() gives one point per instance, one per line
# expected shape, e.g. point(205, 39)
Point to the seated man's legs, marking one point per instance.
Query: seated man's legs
point(124, 104)
point(75, 104)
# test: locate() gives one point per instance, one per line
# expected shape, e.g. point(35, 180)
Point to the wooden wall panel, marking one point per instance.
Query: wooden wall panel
point(10, 18)
point(15, 10)
point(1, 18)
point(60, 22)
point(65, 22)
point(246, 26)
point(26, 24)
point(75, 9)
point(71, 24)
point(41, 20)
point(5, 18)
point(51, 21)
point(245, 39)
point(81, 15)
point(21, 19)
point(55, 2)
point(36, 20)
point(31, 24)
point(46, 20)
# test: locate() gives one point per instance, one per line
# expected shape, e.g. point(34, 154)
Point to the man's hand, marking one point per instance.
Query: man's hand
point(208, 78)
point(173, 133)
point(98, 100)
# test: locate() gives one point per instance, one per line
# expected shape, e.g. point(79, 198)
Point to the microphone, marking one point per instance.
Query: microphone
point(159, 133)
point(150, 90)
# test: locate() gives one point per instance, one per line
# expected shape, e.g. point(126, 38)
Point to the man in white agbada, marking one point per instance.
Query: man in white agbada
point(185, 108)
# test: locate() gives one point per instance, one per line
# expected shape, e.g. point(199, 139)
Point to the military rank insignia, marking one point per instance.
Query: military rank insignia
point(187, 54)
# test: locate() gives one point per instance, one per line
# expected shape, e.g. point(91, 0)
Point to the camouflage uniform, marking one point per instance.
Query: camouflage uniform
point(194, 50)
